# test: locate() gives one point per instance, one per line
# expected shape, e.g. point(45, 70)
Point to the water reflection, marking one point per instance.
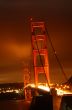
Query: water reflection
point(14, 105)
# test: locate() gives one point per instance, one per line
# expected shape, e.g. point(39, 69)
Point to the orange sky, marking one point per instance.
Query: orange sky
point(15, 36)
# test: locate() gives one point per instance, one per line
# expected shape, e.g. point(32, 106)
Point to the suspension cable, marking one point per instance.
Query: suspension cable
point(61, 67)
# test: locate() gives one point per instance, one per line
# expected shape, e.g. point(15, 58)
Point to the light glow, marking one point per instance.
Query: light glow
point(43, 87)
point(63, 92)
point(16, 91)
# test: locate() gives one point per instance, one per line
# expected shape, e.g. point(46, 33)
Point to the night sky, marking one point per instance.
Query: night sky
point(15, 36)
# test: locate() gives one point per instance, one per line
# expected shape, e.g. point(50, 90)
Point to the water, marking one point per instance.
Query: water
point(14, 105)
point(24, 105)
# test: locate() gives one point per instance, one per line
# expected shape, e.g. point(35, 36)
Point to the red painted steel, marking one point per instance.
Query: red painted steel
point(39, 46)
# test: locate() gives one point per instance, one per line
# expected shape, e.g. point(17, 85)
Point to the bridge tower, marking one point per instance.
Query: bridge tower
point(27, 80)
point(40, 54)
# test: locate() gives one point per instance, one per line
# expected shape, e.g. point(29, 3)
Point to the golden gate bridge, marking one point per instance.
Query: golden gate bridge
point(39, 36)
